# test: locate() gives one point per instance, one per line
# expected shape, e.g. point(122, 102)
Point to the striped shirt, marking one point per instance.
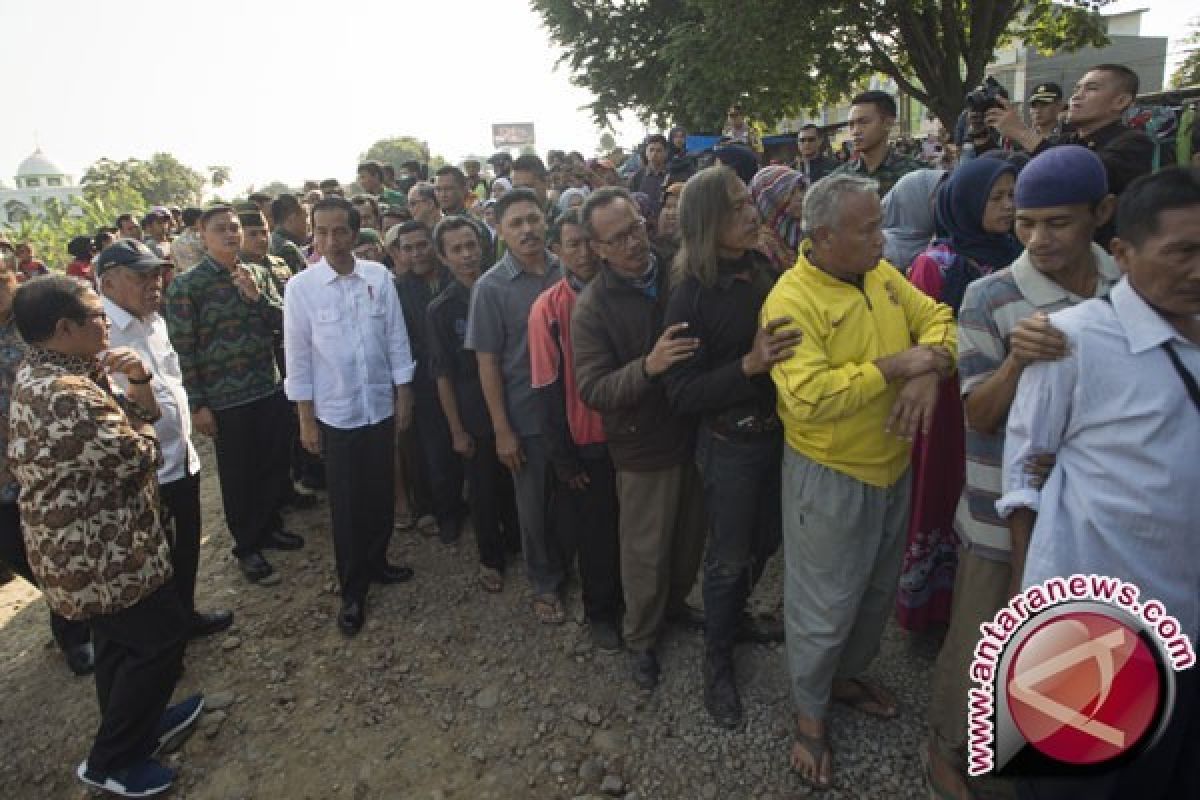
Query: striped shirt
point(991, 309)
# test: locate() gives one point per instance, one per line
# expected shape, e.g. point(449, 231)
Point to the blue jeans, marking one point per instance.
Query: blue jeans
point(741, 479)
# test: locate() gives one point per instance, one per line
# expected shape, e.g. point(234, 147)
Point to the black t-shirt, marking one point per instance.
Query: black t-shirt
point(445, 331)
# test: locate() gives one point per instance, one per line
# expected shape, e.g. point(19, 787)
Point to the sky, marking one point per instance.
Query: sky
point(290, 90)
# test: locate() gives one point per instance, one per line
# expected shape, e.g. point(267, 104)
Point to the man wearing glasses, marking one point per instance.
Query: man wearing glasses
point(811, 162)
point(738, 130)
point(621, 352)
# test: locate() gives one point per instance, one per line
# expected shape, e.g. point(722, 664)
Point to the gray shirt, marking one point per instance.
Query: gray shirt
point(498, 323)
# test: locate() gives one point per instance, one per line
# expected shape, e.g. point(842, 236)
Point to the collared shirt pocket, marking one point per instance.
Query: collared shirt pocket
point(327, 316)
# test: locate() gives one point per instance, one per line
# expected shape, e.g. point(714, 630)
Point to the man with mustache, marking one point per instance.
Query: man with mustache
point(497, 330)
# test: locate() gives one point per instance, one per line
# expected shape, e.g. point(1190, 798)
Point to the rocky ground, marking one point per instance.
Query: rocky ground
point(447, 693)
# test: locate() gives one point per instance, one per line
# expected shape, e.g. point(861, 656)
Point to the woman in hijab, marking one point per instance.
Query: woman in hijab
point(908, 216)
point(974, 217)
point(500, 186)
point(778, 194)
point(571, 198)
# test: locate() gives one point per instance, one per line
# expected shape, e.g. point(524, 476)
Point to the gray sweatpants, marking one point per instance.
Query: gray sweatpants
point(843, 542)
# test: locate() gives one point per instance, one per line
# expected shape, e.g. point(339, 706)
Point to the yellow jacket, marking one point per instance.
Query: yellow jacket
point(832, 399)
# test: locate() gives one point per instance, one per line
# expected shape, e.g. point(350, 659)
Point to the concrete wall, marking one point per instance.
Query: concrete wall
point(1145, 55)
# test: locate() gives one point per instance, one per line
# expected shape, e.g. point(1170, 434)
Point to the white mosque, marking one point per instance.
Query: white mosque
point(38, 180)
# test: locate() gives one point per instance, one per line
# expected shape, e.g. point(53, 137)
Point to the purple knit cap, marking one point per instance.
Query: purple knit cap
point(1067, 175)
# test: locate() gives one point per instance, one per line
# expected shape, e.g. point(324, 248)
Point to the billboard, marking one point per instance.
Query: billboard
point(512, 134)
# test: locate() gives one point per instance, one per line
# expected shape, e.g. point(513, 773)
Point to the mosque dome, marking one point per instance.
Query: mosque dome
point(38, 165)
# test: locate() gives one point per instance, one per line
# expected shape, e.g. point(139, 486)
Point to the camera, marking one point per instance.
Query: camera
point(983, 97)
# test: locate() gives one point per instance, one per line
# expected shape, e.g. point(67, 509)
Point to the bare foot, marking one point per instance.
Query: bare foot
point(811, 756)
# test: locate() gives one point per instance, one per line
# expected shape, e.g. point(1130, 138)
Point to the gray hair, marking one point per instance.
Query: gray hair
point(823, 201)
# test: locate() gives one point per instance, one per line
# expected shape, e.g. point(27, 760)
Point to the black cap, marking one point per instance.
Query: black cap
point(500, 158)
point(128, 253)
point(1046, 93)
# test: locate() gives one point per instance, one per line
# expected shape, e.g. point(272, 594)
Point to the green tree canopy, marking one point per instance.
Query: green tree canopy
point(161, 180)
point(1188, 73)
point(685, 61)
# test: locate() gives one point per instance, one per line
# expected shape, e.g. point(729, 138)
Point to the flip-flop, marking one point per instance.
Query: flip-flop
point(549, 609)
point(869, 699)
point(817, 748)
point(491, 580)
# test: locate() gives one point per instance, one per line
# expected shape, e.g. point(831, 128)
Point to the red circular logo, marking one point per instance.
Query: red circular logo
point(1083, 688)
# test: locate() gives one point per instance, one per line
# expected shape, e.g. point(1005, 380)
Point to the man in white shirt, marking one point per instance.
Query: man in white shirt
point(348, 370)
point(131, 281)
point(1121, 413)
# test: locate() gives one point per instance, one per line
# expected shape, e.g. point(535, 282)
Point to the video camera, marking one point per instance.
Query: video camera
point(984, 96)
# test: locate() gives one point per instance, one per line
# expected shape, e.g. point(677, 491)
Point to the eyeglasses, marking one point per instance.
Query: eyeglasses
point(626, 237)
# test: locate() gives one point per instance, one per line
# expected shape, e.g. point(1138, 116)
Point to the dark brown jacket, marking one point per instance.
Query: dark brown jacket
point(614, 328)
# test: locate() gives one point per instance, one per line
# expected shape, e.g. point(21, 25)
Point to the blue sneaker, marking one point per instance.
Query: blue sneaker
point(145, 778)
point(177, 719)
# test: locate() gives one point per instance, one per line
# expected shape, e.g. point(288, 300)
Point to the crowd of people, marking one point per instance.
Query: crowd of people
point(929, 386)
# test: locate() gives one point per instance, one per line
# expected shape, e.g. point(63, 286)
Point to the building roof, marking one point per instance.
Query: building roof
point(38, 165)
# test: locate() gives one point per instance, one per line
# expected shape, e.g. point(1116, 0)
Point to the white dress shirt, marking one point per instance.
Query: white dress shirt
point(148, 338)
point(1123, 499)
point(345, 343)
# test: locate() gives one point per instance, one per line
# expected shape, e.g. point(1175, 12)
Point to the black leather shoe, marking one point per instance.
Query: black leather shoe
point(282, 540)
point(392, 573)
point(760, 630)
point(720, 690)
point(351, 618)
point(206, 623)
point(255, 567)
point(449, 529)
point(81, 659)
point(300, 501)
point(645, 669)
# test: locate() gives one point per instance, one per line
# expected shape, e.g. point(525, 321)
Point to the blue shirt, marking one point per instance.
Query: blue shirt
point(1123, 499)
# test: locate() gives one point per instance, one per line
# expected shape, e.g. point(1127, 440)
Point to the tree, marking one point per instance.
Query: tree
point(1188, 73)
point(161, 181)
point(607, 143)
point(397, 150)
point(49, 232)
point(218, 176)
point(686, 60)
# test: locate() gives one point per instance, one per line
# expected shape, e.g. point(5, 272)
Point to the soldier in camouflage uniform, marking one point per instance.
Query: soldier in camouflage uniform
point(872, 116)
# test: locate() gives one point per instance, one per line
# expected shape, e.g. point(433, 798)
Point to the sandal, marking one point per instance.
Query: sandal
point(549, 609)
point(491, 580)
point(817, 748)
point(867, 698)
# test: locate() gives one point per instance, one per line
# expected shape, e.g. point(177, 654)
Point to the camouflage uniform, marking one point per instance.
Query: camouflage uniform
point(282, 246)
point(893, 167)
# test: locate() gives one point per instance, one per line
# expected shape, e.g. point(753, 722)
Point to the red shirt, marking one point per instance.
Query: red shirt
point(81, 270)
point(550, 339)
point(31, 269)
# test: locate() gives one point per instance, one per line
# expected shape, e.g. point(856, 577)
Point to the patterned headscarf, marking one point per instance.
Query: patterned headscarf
point(772, 189)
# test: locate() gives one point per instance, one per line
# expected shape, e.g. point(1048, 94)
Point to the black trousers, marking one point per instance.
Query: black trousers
point(139, 653)
point(493, 504)
point(1171, 769)
point(360, 476)
point(586, 524)
point(253, 447)
point(181, 498)
point(442, 465)
point(67, 633)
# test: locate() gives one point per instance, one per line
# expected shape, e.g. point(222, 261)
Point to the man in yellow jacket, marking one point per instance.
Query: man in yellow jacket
point(859, 387)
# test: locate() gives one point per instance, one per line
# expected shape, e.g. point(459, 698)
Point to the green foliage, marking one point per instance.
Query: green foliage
point(684, 61)
point(607, 143)
point(50, 233)
point(396, 151)
point(218, 176)
point(1188, 73)
point(160, 181)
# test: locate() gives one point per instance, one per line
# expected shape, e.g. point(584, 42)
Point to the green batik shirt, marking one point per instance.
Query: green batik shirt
point(282, 246)
point(225, 343)
point(893, 167)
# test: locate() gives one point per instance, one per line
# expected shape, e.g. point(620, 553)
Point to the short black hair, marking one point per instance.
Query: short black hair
point(212, 211)
point(366, 200)
point(388, 169)
point(881, 100)
point(1147, 197)
point(602, 198)
point(656, 138)
point(284, 206)
point(127, 217)
point(529, 163)
point(450, 169)
point(513, 197)
point(569, 217)
point(40, 303)
point(373, 167)
point(191, 215)
point(1125, 76)
point(426, 191)
point(329, 183)
point(103, 238)
point(80, 247)
point(258, 197)
point(353, 218)
point(449, 225)
point(811, 126)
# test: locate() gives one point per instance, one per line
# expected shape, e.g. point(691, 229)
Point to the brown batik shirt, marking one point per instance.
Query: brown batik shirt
point(89, 494)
